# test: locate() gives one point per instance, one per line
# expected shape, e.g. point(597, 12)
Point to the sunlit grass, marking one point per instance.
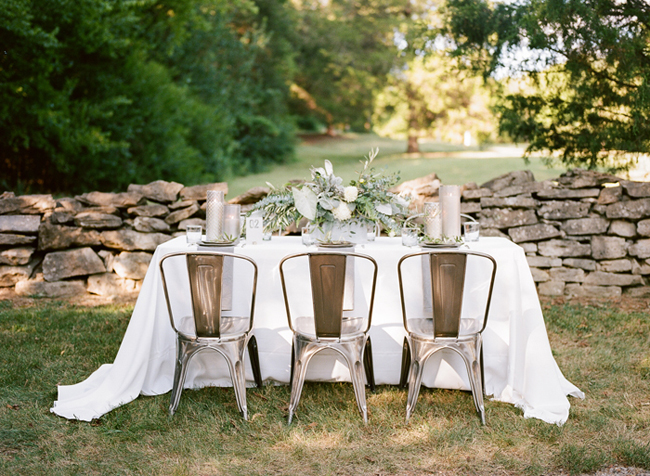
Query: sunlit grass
point(601, 349)
point(454, 164)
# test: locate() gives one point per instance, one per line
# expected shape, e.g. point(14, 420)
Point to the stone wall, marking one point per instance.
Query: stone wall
point(99, 243)
point(585, 233)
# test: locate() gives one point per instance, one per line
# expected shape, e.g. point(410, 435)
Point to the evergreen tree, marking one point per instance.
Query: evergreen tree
point(586, 66)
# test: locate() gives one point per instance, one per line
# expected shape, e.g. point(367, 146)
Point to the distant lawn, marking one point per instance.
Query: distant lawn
point(452, 163)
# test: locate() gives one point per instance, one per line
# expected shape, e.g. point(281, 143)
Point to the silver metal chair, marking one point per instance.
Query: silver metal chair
point(426, 336)
point(229, 336)
point(327, 328)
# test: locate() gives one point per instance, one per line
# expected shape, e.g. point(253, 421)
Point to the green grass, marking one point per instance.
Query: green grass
point(453, 164)
point(604, 350)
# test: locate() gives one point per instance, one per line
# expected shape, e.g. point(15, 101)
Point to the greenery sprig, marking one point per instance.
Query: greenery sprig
point(324, 199)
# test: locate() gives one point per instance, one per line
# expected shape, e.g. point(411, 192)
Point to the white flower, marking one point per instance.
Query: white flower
point(342, 212)
point(350, 193)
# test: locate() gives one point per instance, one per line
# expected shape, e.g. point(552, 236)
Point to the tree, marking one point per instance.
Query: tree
point(102, 93)
point(431, 98)
point(345, 52)
point(426, 94)
point(587, 68)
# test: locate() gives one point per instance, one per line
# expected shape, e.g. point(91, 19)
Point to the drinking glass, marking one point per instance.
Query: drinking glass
point(471, 231)
point(307, 237)
point(193, 234)
point(409, 236)
point(372, 231)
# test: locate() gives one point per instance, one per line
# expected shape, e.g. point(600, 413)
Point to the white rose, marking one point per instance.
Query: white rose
point(342, 212)
point(350, 193)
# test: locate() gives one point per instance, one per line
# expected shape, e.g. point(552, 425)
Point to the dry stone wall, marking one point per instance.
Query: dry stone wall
point(99, 243)
point(584, 233)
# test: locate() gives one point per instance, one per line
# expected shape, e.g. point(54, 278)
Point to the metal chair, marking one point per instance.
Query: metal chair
point(426, 336)
point(229, 336)
point(327, 327)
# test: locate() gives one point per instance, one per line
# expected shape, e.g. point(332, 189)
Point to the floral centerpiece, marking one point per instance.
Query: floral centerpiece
point(327, 203)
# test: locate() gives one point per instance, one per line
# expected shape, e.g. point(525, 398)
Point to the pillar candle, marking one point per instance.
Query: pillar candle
point(214, 215)
point(231, 220)
point(450, 205)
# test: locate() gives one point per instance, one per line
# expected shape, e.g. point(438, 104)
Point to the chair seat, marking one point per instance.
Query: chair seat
point(423, 327)
point(351, 327)
point(231, 327)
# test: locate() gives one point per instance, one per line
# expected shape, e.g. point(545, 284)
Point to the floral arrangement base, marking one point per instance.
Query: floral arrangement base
point(336, 232)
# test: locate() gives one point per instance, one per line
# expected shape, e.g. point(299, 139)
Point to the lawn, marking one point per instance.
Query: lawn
point(602, 348)
point(453, 164)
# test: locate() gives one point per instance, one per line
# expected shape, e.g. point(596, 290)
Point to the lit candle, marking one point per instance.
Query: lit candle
point(450, 205)
point(231, 221)
point(214, 215)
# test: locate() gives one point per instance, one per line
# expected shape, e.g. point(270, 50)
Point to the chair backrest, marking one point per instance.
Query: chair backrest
point(327, 276)
point(448, 270)
point(205, 271)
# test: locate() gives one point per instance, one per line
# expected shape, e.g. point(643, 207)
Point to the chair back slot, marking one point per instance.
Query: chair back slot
point(328, 287)
point(447, 283)
point(206, 275)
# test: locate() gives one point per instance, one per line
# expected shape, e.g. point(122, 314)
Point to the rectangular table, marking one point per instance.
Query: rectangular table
point(519, 366)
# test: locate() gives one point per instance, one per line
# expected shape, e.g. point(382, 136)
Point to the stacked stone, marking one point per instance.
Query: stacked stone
point(97, 242)
point(584, 233)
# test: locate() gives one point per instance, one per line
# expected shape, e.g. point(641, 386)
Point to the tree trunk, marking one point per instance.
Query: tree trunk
point(412, 144)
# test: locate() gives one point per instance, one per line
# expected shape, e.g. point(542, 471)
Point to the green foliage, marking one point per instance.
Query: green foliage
point(344, 54)
point(586, 67)
point(431, 98)
point(99, 94)
point(325, 200)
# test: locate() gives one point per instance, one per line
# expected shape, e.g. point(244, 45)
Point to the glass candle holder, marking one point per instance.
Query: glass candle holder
point(231, 221)
point(214, 215)
point(432, 220)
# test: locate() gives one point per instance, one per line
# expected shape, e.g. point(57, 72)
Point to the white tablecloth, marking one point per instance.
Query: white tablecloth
point(519, 366)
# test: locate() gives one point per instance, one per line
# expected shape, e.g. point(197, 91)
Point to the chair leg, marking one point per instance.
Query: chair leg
point(302, 356)
point(482, 370)
point(183, 356)
point(255, 361)
point(415, 378)
point(406, 363)
point(368, 365)
point(352, 352)
point(470, 354)
point(234, 355)
point(293, 364)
